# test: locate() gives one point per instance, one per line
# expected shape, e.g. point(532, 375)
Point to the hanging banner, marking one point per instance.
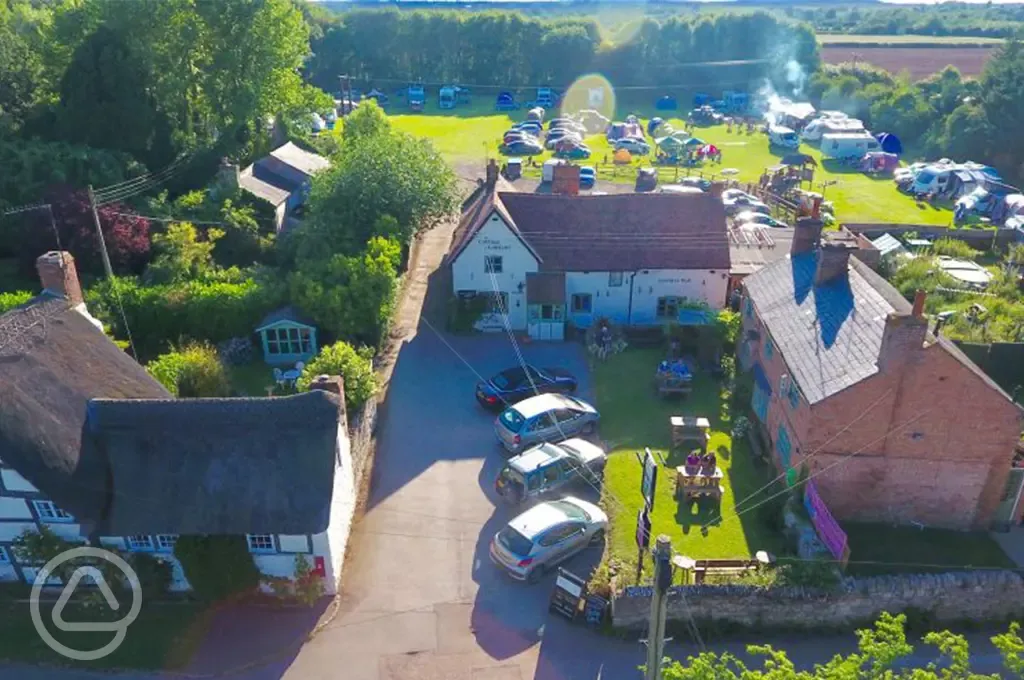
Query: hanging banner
point(829, 531)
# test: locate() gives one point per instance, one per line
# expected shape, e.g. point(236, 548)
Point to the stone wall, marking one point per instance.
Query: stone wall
point(951, 597)
point(361, 428)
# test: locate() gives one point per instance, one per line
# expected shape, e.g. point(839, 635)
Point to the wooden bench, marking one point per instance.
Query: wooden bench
point(701, 568)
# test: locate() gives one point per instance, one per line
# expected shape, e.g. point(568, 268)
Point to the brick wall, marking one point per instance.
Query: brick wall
point(979, 596)
point(934, 441)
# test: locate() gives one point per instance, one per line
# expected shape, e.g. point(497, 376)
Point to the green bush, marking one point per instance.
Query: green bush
point(354, 366)
point(9, 301)
point(954, 248)
point(193, 371)
point(160, 316)
point(464, 312)
point(217, 567)
point(154, 574)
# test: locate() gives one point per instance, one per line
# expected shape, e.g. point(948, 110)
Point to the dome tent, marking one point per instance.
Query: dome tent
point(890, 143)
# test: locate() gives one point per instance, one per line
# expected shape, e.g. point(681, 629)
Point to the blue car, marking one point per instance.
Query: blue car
point(574, 153)
point(588, 177)
point(530, 126)
point(524, 148)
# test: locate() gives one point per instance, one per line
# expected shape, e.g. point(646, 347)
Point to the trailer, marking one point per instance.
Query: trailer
point(446, 97)
point(848, 144)
point(417, 97)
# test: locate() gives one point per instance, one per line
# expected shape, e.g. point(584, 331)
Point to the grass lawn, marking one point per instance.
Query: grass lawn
point(913, 550)
point(632, 417)
point(163, 637)
point(473, 133)
point(253, 379)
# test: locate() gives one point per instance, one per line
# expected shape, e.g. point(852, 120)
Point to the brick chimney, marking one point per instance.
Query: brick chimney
point(904, 335)
point(58, 275)
point(834, 257)
point(334, 384)
point(716, 189)
point(806, 235)
point(492, 174)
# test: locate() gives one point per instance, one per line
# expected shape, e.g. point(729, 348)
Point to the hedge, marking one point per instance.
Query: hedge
point(173, 314)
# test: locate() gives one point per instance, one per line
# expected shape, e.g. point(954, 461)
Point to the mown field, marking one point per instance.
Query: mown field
point(920, 62)
point(473, 134)
point(843, 39)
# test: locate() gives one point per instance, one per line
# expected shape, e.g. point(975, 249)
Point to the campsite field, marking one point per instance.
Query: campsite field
point(474, 134)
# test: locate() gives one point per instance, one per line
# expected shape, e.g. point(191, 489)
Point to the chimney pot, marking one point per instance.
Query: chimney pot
point(834, 258)
point(919, 299)
point(806, 235)
point(57, 274)
point(716, 189)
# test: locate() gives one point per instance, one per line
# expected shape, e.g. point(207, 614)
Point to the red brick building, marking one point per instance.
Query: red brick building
point(850, 382)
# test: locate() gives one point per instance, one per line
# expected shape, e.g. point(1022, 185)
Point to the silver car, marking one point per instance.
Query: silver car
point(544, 418)
point(545, 535)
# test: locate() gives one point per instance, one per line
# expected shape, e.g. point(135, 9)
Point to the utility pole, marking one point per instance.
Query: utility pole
point(656, 626)
point(99, 235)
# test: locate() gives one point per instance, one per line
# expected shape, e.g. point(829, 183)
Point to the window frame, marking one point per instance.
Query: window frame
point(663, 305)
point(785, 457)
point(50, 512)
point(489, 264)
point(133, 543)
point(615, 279)
point(793, 394)
point(492, 307)
point(255, 543)
point(748, 307)
point(579, 298)
point(164, 545)
point(769, 347)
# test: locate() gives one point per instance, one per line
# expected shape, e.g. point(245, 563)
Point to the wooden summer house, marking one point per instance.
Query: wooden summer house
point(288, 336)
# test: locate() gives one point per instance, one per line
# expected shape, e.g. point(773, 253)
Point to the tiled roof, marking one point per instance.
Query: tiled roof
point(829, 335)
point(477, 209)
point(300, 159)
point(267, 189)
point(751, 248)
point(622, 232)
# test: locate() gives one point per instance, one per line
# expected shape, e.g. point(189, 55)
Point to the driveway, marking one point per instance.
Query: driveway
point(421, 598)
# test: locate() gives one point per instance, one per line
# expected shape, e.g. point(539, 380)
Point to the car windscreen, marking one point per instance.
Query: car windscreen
point(511, 476)
point(500, 381)
point(514, 541)
point(512, 419)
point(571, 510)
point(925, 177)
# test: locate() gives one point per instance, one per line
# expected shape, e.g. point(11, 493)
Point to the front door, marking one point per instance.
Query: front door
point(547, 322)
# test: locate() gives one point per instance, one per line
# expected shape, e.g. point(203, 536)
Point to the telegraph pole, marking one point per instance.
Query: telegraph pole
point(99, 235)
point(656, 626)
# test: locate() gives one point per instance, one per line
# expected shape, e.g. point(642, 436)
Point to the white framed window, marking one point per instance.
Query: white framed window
point(5, 558)
point(668, 307)
point(497, 303)
point(49, 512)
point(139, 543)
point(289, 341)
point(493, 264)
point(260, 543)
point(581, 303)
point(614, 279)
point(166, 542)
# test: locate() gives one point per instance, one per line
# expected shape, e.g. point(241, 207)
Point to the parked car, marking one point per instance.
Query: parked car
point(517, 136)
point(634, 146)
point(588, 177)
point(546, 535)
point(515, 384)
point(680, 189)
point(544, 469)
point(553, 141)
point(731, 194)
point(699, 182)
point(524, 147)
point(752, 217)
point(531, 126)
point(745, 204)
point(544, 418)
point(577, 152)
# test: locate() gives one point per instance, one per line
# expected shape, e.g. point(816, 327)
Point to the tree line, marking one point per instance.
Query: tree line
point(511, 49)
point(946, 19)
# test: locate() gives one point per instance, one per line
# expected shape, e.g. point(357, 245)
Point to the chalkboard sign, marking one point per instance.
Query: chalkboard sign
point(595, 609)
point(568, 592)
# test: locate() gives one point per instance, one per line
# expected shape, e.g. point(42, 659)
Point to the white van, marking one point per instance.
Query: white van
point(933, 179)
point(816, 129)
point(848, 144)
point(782, 136)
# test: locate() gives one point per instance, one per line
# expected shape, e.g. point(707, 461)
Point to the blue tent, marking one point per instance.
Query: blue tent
point(700, 99)
point(666, 103)
point(890, 142)
point(652, 125)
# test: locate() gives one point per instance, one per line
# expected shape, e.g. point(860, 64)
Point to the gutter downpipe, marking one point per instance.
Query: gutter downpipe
point(629, 311)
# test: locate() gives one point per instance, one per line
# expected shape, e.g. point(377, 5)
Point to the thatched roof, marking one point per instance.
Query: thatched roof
point(52, 362)
point(219, 466)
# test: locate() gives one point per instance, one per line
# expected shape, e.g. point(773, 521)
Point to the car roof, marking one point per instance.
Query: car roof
point(537, 520)
point(531, 459)
point(528, 408)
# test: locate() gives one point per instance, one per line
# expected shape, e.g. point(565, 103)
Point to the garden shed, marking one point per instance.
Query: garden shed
point(287, 336)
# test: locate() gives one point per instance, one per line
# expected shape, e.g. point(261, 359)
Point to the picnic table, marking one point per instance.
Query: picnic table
point(690, 430)
point(673, 376)
point(699, 482)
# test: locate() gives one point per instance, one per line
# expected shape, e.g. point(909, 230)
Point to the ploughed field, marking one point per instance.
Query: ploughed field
point(920, 61)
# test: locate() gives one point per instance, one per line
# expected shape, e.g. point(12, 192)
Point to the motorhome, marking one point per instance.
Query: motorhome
point(828, 126)
point(783, 137)
point(848, 144)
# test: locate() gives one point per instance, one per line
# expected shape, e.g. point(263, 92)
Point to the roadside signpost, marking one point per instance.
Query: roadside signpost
point(648, 487)
point(649, 479)
point(643, 539)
